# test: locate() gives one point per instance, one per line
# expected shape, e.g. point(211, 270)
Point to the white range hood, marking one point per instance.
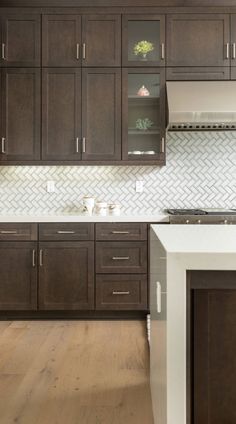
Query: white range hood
point(201, 105)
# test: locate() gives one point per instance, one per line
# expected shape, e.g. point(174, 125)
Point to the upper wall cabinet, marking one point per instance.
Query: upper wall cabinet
point(61, 40)
point(143, 40)
point(198, 40)
point(94, 42)
point(20, 40)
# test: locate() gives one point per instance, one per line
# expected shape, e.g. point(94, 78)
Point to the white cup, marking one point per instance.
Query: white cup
point(88, 203)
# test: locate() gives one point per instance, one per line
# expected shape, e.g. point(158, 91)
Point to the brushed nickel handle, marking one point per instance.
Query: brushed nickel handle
point(162, 51)
point(77, 144)
point(3, 145)
point(120, 232)
point(41, 257)
point(77, 51)
point(233, 51)
point(158, 296)
point(118, 293)
point(120, 258)
point(84, 145)
point(3, 51)
point(65, 232)
point(227, 50)
point(84, 51)
point(8, 231)
point(163, 145)
point(34, 258)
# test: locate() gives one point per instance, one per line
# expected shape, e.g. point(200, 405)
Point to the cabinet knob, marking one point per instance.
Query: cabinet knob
point(227, 50)
point(77, 51)
point(118, 293)
point(3, 51)
point(162, 51)
point(84, 51)
point(233, 51)
point(84, 145)
point(3, 145)
point(40, 257)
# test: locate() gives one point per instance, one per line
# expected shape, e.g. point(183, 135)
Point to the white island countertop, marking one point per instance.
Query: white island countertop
point(74, 217)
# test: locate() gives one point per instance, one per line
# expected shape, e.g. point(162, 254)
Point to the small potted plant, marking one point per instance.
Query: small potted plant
point(143, 124)
point(142, 48)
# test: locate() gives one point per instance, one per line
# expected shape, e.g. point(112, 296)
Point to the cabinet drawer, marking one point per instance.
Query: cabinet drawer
point(121, 292)
point(121, 257)
point(121, 231)
point(66, 231)
point(18, 231)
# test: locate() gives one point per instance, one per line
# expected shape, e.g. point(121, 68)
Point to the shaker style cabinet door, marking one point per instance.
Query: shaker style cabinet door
point(101, 40)
point(21, 40)
point(101, 114)
point(198, 40)
point(66, 275)
point(61, 120)
point(21, 114)
point(18, 276)
point(143, 40)
point(61, 40)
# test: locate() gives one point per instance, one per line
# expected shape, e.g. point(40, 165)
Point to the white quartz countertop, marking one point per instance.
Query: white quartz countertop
point(73, 217)
point(197, 238)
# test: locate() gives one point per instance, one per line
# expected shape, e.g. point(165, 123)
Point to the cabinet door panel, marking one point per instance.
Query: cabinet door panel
point(197, 40)
point(21, 36)
point(101, 114)
point(61, 40)
point(61, 123)
point(102, 38)
point(21, 113)
point(66, 276)
point(18, 276)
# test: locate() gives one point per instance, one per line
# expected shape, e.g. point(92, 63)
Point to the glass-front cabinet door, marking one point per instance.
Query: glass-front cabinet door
point(143, 114)
point(143, 40)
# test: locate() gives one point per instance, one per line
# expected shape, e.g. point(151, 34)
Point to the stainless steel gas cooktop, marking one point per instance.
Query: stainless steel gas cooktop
point(202, 216)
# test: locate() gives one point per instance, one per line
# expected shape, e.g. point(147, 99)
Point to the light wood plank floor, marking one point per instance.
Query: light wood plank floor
point(74, 372)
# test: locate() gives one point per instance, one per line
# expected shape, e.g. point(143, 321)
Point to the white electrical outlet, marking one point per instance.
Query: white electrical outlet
point(50, 186)
point(139, 186)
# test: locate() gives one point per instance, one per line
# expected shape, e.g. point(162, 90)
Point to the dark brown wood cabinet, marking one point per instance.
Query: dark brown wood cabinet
point(66, 275)
point(21, 45)
point(18, 275)
point(61, 40)
point(21, 112)
point(198, 40)
point(101, 40)
point(101, 114)
point(61, 119)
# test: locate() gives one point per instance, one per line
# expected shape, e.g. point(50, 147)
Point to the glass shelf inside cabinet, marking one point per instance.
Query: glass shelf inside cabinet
point(143, 115)
point(143, 41)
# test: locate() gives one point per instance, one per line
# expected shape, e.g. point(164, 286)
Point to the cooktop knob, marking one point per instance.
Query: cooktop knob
point(225, 221)
point(199, 221)
point(187, 221)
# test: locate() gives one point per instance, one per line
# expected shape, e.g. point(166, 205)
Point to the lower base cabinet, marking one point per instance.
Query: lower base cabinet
point(66, 275)
point(18, 276)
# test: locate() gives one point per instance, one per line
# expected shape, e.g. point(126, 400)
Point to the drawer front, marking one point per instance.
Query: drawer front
point(121, 231)
point(121, 292)
point(66, 231)
point(18, 231)
point(121, 257)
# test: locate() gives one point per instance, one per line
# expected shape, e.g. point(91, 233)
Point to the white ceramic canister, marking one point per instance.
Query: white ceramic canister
point(88, 204)
point(114, 209)
point(101, 208)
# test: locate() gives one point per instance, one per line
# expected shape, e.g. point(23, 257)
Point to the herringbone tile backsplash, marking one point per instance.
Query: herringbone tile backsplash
point(200, 171)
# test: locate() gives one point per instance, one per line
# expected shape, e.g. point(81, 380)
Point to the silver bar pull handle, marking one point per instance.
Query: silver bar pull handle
point(3, 51)
point(77, 144)
point(122, 293)
point(3, 145)
point(84, 51)
point(65, 232)
point(162, 145)
point(8, 232)
point(77, 51)
point(227, 50)
point(84, 145)
point(120, 258)
point(234, 51)
point(34, 258)
point(120, 232)
point(41, 257)
point(158, 296)
point(162, 51)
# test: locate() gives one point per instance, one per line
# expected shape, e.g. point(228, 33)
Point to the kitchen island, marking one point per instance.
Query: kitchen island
point(193, 321)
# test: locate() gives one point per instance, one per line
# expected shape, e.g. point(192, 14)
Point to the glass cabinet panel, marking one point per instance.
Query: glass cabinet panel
point(143, 41)
point(145, 126)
